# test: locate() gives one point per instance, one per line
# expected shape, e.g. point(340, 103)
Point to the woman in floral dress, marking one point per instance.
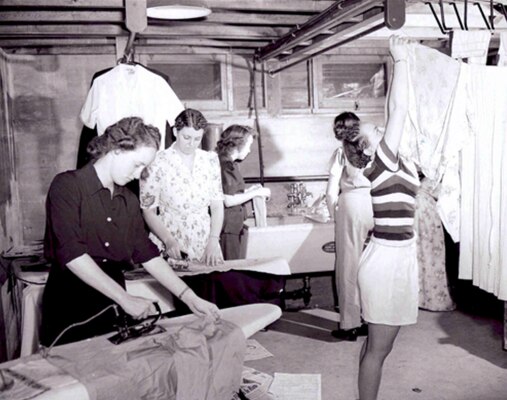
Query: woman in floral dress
point(181, 195)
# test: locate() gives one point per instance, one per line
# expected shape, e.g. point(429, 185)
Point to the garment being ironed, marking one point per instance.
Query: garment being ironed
point(199, 361)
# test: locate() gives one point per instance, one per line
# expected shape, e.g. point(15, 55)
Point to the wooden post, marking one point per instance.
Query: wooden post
point(394, 13)
point(135, 15)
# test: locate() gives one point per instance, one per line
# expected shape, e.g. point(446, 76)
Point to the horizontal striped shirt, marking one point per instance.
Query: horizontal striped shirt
point(394, 185)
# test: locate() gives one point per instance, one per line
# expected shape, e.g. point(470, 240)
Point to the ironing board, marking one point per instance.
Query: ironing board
point(143, 285)
point(249, 318)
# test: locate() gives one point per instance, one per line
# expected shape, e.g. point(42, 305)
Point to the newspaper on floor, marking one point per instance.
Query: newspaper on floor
point(296, 386)
point(31, 379)
point(255, 351)
point(255, 385)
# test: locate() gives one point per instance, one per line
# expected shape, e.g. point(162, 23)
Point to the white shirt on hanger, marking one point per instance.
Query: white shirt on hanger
point(130, 91)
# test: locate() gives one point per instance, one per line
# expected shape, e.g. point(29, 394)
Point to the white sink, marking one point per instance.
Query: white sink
point(297, 239)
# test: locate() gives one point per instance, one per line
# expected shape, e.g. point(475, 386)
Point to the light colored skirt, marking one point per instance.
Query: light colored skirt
point(388, 282)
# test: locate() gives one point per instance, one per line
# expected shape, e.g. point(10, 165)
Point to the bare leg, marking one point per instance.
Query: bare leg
point(375, 350)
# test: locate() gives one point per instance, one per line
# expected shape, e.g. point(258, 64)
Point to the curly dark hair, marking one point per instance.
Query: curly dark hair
point(354, 153)
point(190, 118)
point(234, 137)
point(127, 134)
point(346, 126)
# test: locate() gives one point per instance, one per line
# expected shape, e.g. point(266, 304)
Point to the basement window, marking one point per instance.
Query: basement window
point(198, 81)
point(350, 82)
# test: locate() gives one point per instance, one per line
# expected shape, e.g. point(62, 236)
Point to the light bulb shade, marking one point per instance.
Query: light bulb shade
point(177, 12)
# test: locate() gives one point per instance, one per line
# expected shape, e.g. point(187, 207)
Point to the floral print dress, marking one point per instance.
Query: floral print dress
point(183, 197)
point(433, 285)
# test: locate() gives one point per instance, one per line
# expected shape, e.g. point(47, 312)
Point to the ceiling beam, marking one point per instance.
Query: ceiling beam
point(175, 29)
point(42, 17)
point(63, 4)
point(292, 6)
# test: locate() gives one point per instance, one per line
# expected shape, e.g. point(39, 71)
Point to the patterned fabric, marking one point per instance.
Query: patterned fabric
point(433, 285)
point(394, 185)
point(437, 125)
point(183, 197)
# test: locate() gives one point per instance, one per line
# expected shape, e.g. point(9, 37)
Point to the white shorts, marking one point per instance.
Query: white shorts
point(388, 282)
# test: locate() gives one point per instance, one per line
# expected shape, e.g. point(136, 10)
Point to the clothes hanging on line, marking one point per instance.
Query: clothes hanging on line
point(471, 45)
point(87, 134)
point(483, 238)
point(127, 91)
point(436, 128)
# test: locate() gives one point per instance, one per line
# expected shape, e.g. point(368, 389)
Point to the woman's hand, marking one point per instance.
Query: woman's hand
point(172, 249)
point(398, 46)
point(253, 187)
point(200, 307)
point(213, 253)
point(263, 192)
point(137, 307)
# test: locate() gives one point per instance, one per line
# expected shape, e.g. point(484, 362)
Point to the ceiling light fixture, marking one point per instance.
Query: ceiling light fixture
point(178, 12)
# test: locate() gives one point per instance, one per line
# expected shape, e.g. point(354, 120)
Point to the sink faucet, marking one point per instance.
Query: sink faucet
point(297, 197)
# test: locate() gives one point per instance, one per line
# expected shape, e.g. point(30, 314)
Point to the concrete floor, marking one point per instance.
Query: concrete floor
point(448, 356)
point(453, 355)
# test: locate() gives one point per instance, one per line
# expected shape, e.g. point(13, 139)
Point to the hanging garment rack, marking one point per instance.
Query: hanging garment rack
point(489, 20)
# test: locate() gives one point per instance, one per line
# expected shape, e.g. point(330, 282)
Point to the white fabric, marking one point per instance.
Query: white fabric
point(483, 247)
point(130, 91)
point(472, 45)
point(502, 50)
point(388, 282)
point(437, 126)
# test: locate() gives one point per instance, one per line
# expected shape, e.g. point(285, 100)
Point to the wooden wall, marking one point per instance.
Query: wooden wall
point(46, 93)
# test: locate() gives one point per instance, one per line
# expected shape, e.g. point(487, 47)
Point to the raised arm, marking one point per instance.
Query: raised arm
point(398, 93)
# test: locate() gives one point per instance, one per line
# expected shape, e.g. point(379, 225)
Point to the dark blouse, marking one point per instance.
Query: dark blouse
point(81, 217)
point(232, 183)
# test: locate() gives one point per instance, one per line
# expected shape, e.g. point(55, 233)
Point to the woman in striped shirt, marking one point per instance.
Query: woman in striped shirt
point(388, 268)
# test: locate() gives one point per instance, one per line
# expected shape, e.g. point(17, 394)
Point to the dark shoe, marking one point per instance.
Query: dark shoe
point(350, 335)
point(362, 330)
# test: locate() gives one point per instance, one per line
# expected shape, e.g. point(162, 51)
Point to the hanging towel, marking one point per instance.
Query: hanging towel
point(502, 50)
point(472, 45)
point(259, 205)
